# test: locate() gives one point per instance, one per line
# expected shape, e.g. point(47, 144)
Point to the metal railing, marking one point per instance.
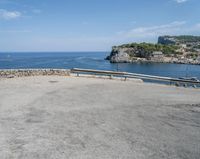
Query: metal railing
point(126, 75)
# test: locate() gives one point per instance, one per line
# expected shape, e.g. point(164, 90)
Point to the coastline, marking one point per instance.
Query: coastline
point(123, 57)
point(150, 61)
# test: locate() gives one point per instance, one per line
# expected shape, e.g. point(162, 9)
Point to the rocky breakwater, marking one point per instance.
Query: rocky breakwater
point(10, 73)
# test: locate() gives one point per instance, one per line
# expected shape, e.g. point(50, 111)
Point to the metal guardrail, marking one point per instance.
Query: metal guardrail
point(133, 75)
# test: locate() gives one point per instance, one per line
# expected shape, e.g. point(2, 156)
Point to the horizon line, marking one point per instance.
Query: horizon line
point(52, 51)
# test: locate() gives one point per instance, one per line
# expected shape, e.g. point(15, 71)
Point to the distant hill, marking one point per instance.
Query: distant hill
point(182, 39)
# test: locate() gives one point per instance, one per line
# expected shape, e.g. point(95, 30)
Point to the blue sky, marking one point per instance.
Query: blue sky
point(92, 25)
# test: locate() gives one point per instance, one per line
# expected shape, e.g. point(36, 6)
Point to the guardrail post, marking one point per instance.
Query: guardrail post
point(185, 85)
point(177, 84)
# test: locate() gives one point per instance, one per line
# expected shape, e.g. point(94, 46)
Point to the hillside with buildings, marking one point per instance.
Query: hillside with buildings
point(169, 49)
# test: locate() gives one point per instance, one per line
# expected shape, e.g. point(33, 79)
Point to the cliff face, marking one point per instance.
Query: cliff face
point(122, 54)
point(166, 40)
point(119, 55)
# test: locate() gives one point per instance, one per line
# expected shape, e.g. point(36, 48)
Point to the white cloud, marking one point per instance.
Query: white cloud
point(181, 1)
point(7, 15)
point(153, 31)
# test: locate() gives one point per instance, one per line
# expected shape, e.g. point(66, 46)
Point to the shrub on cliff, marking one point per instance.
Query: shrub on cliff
point(150, 48)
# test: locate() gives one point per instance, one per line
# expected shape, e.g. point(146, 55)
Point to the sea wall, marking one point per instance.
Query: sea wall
point(11, 73)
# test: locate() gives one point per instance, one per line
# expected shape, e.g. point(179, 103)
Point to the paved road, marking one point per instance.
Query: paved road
point(84, 118)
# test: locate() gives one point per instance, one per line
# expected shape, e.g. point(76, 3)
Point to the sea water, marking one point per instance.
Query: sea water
point(92, 60)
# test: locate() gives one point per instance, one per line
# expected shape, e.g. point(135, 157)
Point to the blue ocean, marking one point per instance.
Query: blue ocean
point(91, 60)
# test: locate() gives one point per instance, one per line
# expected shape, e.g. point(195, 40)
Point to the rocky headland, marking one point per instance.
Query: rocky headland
point(169, 49)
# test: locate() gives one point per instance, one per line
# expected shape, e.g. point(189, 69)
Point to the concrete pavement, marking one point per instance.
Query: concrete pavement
point(51, 117)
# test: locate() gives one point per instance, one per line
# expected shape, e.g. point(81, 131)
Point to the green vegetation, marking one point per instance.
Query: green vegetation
point(187, 38)
point(197, 47)
point(149, 48)
point(192, 55)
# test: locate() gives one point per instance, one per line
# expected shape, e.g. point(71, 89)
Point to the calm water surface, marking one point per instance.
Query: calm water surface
point(91, 60)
